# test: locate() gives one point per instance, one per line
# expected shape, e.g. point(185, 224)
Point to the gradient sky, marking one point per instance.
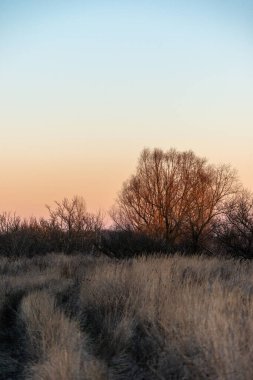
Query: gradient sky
point(86, 85)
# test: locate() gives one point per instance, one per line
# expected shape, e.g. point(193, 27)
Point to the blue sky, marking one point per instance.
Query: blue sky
point(85, 85)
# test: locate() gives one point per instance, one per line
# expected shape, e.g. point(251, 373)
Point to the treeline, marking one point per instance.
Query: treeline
point(69, 228)
point(175, 201)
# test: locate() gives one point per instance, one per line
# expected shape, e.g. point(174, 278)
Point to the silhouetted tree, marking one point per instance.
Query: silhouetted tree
point(77, 226)
point(235, 230)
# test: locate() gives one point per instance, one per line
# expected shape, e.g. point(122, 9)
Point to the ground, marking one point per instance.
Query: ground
point(79, 317)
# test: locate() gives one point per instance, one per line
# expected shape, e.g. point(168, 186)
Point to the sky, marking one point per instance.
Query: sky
point(86, 85)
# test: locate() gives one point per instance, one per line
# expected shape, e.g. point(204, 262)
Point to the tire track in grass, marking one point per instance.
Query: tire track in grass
point(60, 351)
point(13, 349)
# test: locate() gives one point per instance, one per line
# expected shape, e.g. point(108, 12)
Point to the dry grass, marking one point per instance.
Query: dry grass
point(75, 317)
point(58, 346)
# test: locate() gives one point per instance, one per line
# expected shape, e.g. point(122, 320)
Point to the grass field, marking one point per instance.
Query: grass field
point(78, 317)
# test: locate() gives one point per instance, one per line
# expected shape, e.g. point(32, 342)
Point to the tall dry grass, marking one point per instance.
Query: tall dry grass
point(75, 317)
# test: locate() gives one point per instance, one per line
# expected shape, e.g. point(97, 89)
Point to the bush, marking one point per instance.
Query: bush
point(69, 228)
point(235, 231)
point(125, 244)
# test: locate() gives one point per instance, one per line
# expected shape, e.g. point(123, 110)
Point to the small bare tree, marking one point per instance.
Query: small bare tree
point(77, 224)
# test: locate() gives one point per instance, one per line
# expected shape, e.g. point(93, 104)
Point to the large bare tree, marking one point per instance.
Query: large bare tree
point(173, 194)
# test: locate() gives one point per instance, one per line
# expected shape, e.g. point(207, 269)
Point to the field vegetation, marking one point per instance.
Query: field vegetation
point(120, 302)
point(175, 202)
point(85, 317)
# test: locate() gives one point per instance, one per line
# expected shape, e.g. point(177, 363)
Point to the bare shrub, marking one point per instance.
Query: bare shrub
point(69, 228)
point(127, 243)
point(235, 230)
